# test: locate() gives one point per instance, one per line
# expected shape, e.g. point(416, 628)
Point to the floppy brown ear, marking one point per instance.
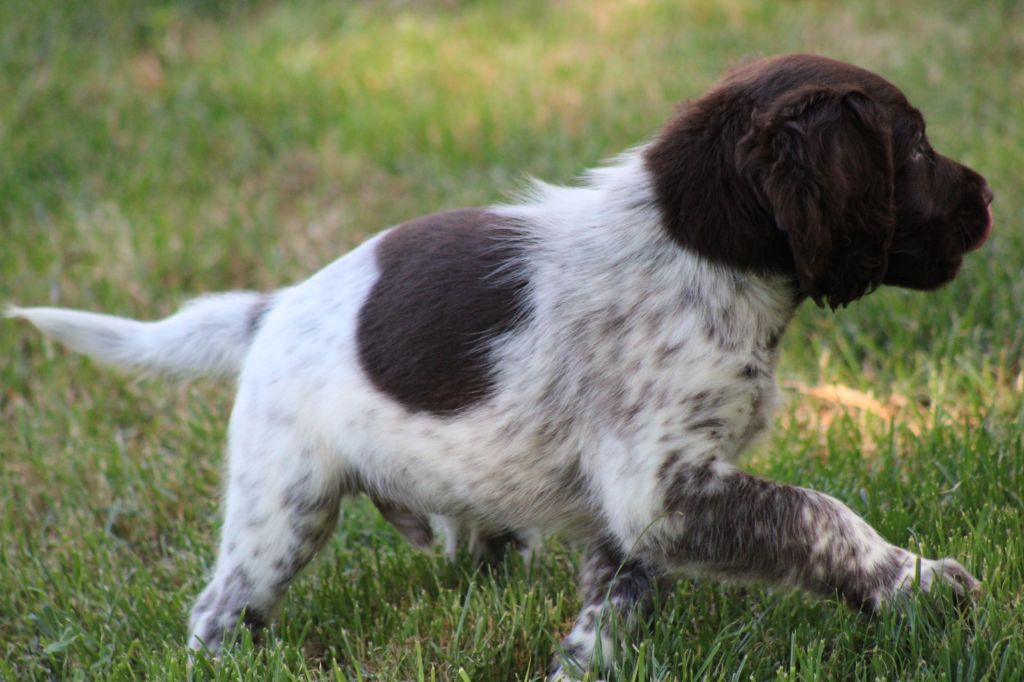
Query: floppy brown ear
point(822, 160)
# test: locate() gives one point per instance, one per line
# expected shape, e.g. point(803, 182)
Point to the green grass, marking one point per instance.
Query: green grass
point(150, 151)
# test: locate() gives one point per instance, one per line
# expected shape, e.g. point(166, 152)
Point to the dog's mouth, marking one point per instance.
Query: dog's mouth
point(983, 237)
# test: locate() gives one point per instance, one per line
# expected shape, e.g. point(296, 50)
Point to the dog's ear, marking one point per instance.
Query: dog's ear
point(821, 162)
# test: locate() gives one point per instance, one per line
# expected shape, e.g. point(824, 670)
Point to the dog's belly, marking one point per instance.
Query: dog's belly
point(499, 467)
point(479, 470)
point(507, 465)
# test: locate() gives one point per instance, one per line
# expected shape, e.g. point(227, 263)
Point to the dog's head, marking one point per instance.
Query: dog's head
point(807, 165)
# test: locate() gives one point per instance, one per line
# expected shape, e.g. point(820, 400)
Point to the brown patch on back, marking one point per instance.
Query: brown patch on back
point(446, 289)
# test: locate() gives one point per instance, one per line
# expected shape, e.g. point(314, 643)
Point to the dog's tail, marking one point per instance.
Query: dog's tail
point(209, 336)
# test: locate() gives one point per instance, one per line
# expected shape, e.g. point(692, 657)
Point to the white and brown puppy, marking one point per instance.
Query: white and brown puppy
point(591, 361)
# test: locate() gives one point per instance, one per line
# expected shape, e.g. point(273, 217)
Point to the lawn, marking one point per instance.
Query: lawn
point(150, 151)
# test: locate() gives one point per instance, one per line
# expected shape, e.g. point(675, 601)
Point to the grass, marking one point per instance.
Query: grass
point(153, 150)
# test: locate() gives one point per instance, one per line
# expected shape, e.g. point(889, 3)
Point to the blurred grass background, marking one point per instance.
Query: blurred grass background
point(151, 151)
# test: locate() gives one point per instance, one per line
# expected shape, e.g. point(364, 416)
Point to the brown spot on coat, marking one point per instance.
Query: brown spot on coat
point(448, 286)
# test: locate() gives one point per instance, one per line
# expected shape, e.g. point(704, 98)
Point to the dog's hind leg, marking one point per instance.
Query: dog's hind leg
point(487, 548)
point(413, 526)
point(281, 506)
point(491, 548)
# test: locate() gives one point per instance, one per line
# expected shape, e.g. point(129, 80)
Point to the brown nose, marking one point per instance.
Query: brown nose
point(986, 194)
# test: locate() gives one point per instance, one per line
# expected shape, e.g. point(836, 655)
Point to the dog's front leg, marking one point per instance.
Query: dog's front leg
point(722, 521)
point(615, 592)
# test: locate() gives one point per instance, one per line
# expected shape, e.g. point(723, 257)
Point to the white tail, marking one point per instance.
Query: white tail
point(209, 336)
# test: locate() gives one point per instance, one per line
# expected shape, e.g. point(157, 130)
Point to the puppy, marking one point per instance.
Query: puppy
point(592, 360)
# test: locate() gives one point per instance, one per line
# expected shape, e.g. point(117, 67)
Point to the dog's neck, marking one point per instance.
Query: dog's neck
point(615, 223)
point(754, 301)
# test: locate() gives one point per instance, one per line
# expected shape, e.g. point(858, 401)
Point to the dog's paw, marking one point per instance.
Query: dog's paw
point(925, 574)
point(560, 674)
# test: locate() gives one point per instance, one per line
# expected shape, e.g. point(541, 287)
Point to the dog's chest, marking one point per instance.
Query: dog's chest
point(679, 369)
point(692, 391)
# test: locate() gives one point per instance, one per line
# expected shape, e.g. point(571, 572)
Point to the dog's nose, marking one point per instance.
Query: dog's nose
point(987, 194)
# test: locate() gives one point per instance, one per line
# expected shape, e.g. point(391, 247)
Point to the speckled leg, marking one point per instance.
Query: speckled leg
point(491, 548)
point(281, 507)
point(413, 526)
point(721, 521)
point(616, 594)
point(488, 548)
